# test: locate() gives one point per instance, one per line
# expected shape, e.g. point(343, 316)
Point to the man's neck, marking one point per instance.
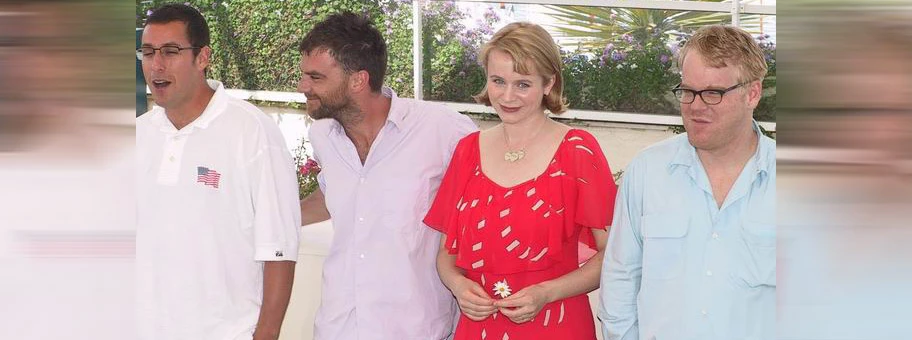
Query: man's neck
point(733, 155)
point(183, 116)
point(366, 125)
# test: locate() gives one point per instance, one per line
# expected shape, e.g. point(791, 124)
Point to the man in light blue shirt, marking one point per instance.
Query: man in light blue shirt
point(692, 249)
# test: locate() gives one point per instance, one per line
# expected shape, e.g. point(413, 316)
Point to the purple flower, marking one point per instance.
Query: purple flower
point(608, 49)
point(627, 38)
point(663, 59)
point(602, 62)
point(398, 80)
point(612, 16)
point(618, 55)
point(149, 12)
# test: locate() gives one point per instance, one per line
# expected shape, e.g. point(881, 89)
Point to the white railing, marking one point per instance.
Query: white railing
point(584, 115)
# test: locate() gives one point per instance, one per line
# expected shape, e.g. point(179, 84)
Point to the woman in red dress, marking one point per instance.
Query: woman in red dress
point(519, 202)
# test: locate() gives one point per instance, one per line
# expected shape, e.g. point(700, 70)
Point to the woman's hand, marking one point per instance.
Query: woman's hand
point(524, 305)
point(472, 299)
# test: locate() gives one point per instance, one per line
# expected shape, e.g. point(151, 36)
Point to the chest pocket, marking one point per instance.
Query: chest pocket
point(758, 260)
point(663, 245)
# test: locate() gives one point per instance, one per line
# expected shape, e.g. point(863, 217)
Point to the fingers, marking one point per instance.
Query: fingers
point(474, 303)
point(516, 313)
point(519, 307)
point(519, 315)
point(515, 300)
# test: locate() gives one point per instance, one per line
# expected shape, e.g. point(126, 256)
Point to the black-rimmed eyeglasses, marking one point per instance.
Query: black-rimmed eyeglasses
point(168, 51)
point(710, 96)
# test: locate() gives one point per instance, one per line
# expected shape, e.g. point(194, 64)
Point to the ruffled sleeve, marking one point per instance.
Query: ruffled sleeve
point(443, 214)
point(596, 189)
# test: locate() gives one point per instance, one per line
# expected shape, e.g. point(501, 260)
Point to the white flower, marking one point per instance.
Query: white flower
point(633, 66)
point(501, 288)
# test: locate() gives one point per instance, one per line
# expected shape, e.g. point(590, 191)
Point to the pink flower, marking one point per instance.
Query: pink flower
point(310, 167)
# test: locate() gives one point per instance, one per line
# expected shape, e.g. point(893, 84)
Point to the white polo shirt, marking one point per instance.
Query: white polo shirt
point(214, 200)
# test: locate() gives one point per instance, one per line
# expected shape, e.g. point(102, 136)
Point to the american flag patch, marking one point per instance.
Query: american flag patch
point(207, 176)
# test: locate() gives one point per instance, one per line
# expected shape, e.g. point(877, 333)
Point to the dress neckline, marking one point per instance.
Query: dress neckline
point(548, 167)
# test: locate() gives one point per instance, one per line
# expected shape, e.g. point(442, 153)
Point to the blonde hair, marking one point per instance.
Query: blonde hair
point(528, 44)
point(721, 46)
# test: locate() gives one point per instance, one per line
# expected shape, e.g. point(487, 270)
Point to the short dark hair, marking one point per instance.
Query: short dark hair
point(353, 42)
point(197, 28)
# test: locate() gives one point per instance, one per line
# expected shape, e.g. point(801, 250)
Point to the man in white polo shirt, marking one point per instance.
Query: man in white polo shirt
point(217, 208)
point(382, 159)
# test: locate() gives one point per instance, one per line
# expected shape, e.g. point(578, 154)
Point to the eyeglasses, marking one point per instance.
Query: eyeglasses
point(710, 97)
point(168, 52)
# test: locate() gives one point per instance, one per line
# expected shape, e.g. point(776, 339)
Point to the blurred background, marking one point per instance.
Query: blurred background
point(845, 170)
point(66, 169)
point(843, 124)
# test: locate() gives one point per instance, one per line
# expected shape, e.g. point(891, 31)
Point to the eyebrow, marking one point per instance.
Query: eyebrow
point(518, 80)
point(314, 73)
point(170, 43)
point(710, 87)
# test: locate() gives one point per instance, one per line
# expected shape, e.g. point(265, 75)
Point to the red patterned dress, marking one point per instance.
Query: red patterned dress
point(525, 234)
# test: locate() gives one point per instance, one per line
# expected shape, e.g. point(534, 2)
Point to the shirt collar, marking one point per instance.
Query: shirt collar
point(686, 154)
point(213, 109)
point(216, 105)
point(396, 116)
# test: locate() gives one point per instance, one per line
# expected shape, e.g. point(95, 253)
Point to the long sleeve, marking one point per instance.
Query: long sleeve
point(621, 269)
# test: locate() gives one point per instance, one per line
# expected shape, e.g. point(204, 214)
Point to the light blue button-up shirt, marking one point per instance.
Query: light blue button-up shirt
point(679, 267)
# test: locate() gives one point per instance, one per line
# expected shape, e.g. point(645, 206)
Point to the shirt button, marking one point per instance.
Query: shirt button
point(715, 236)
point(361, 256)
point(362, 179)
point(360, 219)
point(709, 273)
point(171, 158)
point(704, 312)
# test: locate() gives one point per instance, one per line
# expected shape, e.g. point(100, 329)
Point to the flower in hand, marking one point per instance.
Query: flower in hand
point(502, 289)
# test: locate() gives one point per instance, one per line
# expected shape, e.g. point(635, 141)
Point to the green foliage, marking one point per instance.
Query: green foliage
point(255, 43)
point(604, 83)
point(255, 47)
point(596, 27)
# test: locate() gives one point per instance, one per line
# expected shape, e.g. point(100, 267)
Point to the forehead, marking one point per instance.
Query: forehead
point(501, 64)
point(173, 32)
point(318, 60)
point(697, 72)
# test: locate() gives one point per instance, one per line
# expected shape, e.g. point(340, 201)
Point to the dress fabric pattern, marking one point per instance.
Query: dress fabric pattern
point(525, 234)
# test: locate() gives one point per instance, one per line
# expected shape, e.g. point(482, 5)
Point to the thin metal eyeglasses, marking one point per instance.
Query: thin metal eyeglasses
point(168, 51)
point(710, 96)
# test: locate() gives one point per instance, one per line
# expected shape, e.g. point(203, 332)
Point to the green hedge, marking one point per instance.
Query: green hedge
point(255, 47)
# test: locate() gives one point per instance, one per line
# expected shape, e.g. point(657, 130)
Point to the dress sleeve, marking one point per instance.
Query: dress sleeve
point(596, 189)
point(442, 216)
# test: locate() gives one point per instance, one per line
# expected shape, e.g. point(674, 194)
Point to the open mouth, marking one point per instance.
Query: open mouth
point(160, 84)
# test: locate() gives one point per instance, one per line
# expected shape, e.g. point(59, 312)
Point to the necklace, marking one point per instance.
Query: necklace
point(513, 156)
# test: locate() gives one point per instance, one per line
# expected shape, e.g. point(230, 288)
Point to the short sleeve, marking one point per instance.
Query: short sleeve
point(277, 211)
point(596, 190)
point(442, 215)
